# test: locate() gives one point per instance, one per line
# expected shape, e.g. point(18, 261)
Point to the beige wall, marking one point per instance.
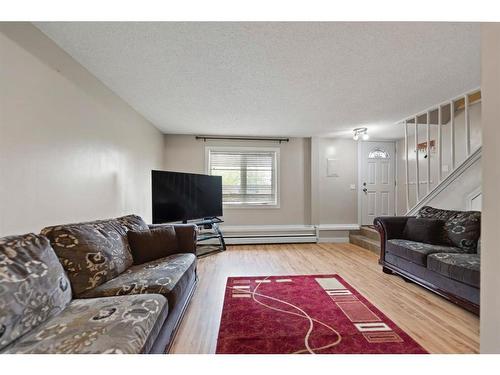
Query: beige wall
point(70, 149)
point(184, 153)
point(303, 179)
point(337, 203)
point(490, 251)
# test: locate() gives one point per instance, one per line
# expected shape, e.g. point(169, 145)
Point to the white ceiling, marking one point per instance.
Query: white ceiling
point(276, 79)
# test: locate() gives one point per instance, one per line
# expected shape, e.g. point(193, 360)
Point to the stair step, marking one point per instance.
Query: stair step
point(370, 232)
point(365, 242)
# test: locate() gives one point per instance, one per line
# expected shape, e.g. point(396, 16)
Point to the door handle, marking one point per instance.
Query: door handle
point(365, 190)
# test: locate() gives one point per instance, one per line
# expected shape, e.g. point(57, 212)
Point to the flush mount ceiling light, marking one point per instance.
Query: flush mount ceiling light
point(363, 132)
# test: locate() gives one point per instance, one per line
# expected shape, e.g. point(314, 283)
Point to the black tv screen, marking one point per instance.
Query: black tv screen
point(185, 196)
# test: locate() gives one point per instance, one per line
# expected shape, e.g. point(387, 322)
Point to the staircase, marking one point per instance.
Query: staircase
point(366, 237)
point(441, 143)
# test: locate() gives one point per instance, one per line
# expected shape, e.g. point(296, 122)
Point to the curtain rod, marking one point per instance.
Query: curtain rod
point(273, 139)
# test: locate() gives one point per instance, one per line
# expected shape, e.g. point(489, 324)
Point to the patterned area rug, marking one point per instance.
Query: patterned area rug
point(305, 314)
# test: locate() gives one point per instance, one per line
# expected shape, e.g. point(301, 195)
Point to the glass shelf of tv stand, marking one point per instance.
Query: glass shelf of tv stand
point(209, 229)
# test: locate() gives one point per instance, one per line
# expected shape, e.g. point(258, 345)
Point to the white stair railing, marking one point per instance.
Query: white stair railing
point(437, 115)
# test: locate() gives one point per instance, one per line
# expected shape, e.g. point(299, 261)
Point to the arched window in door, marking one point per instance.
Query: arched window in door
point(378, 153)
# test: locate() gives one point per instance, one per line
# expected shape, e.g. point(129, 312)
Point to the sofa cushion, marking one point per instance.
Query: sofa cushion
point(461, 228)
point(126, 324)
point(149, 245)
point(168, 276)
point(424, 230)
point(93, 252)
point(33, 285)
point(417, 252)
point(460, 267)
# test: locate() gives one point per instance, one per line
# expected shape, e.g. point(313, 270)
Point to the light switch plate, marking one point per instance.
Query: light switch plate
point(353, 187)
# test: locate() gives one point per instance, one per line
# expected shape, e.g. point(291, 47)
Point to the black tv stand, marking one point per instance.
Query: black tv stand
point(208, 228)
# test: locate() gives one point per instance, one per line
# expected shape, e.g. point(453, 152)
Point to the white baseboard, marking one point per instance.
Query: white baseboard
point(267, 228)
point(269, 240)
point(333, 240)
point(338, 227)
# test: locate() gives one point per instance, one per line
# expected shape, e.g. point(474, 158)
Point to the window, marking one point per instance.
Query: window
point(249, 175)
point(378, 153)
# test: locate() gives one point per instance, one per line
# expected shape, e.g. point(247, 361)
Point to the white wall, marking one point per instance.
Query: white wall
point(455, 196)
point(490, 251)
point(183, 153)
point(70, 149)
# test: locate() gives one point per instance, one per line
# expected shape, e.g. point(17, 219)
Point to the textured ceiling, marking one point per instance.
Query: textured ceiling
point(286, 79)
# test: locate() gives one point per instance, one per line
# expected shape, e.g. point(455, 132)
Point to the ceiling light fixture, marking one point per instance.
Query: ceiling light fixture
point(363, 132)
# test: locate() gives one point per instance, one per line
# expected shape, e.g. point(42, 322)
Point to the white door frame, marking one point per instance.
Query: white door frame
point(360, 196)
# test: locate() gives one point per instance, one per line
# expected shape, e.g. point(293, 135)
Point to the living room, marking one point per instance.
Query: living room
point(248, 187)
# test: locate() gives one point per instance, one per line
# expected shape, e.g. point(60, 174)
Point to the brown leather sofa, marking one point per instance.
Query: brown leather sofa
point(450, 268)
point(74, 289)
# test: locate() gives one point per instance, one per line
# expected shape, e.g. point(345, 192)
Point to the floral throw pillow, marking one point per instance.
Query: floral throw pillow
point(461, 228)
point(33, 285)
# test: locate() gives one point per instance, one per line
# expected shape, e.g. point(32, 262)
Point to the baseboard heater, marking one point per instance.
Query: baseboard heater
point(269, 238)
point(242, 239)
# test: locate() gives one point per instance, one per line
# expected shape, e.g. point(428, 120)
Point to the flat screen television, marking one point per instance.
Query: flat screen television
point(185, 196)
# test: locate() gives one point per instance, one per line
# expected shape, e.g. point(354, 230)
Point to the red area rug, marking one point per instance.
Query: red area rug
point(319, 314)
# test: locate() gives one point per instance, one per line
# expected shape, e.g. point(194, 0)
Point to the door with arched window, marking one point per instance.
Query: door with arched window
point(377, 184)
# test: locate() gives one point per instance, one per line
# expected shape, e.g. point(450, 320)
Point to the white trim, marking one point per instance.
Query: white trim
point(473, 195)
point(262, 240)
point(440, 145)
point(467, 124)
point(277, 150)
point(407, 173)
point(417, 167)
point(333, 240)
point(266, 228)
point(325, 227)
point(428, 151)
point(360, 197)
point(396, 175)
point(474, 157)
point(452, 133)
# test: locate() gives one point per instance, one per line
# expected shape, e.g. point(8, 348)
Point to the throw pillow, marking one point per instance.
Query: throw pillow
point(424, 230)
point(461, 228)
point(149, 245)
point(33, 285)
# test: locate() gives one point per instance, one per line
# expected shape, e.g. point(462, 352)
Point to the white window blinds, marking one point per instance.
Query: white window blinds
point(248, 177)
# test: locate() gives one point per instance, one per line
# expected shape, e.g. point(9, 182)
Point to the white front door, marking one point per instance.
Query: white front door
point(377, 182)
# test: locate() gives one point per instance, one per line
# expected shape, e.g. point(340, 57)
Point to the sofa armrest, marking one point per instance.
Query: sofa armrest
point(389, 227)
point(186, 236)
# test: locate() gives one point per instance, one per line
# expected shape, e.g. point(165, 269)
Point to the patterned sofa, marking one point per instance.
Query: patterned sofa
point(450, 268)
point(73, 289)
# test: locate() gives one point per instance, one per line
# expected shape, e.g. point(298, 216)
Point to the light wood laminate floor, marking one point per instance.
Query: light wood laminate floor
point(438, 325)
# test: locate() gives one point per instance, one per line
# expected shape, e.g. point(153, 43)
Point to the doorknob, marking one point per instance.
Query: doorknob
point(365, 190)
